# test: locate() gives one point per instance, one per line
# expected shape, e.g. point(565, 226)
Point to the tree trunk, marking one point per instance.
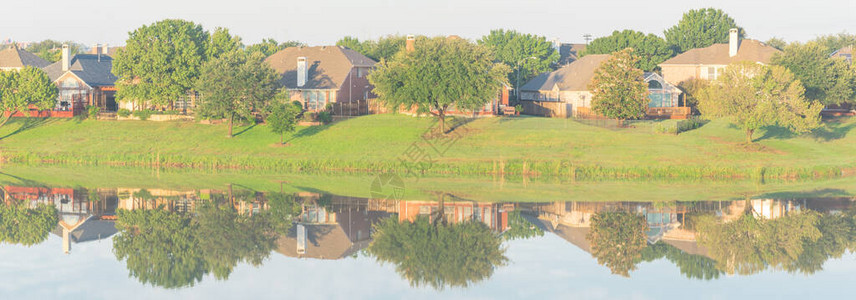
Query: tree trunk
point(749, 133)
point(6, 119)
point(281, 138)
point(231, 116)
point(442, 115)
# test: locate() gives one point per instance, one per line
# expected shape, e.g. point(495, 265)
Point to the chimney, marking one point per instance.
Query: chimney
point(104, 49)
point(411, 43)
point(98, 51)
point(66, 241)
point(65, 58)
point(733, 42)
point(301, 71)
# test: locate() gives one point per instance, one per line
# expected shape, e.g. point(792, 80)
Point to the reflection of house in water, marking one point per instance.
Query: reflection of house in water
point(81, 219)
point(333, 227)
point(494, 215)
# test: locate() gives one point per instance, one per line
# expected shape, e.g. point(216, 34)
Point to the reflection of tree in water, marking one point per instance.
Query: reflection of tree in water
point(836, 237)
point(692, 266)
point(617, 240)
point(20, 224)
point(749, 245)
point(438, 253)
point(173, 250)
point(520, 228)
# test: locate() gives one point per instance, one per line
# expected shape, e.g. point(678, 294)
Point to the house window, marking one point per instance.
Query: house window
point(360, 73)
point(653, 84)
point(711, 73)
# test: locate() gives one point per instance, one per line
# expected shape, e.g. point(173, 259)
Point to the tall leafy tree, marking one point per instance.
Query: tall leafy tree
point(20, 224)
point(440, 74)
point(160, 62)
point(270, 46)
point(758, 96)
point(651, 49)
point(520, 228)
point(25, 87)
point(51, 50)
point(618, 89)
point(436, 254)
point(834, 42)
point(222, 42)
point(236, 85)
point(617, 240)
point(827, 80)
point(227, 238)
point(527, 54)
point(699, 28)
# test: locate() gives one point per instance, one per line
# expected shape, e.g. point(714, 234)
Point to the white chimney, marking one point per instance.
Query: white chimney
point(65, 58)
point(98, 51)
point(301, 71)
point(733, 42)
point(104, 49)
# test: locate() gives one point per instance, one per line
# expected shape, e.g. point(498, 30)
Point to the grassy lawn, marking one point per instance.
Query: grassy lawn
point(380, 140)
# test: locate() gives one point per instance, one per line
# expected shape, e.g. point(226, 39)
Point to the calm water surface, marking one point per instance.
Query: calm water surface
point(231, 242)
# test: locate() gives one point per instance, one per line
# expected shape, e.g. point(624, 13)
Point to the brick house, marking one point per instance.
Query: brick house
point(85, 79)
point(708, 62)
point(317, 76)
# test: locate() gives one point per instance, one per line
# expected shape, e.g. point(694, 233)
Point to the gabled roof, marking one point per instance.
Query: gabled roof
point(323, 241)
point(717, 54)
point(91, 230)
point(845, 52)
point(573, 77)
point(328, 65)
point(87, 67)
point(13, 57)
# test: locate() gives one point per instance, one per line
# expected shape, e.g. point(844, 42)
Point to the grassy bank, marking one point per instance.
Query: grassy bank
point(510, 146)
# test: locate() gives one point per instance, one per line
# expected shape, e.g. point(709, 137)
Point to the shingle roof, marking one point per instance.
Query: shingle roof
point(569, 52)
point(717, 54)
point(328, 65)
point(91, 230)
point(88, 68)
point(13, 57)
point(323, 241)
point(573, 77)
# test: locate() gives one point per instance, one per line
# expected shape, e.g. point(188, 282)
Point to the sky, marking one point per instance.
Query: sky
point(322, 22)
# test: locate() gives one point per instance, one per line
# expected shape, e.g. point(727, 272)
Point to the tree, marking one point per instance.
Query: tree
point(617, 240)
point(282, 118)
point(159, 247)
point(830, 81)
point(700, 28)
point(651, 49)
point(520, 228)
point(777, 43)
point(20, 224)
point(381, 49)
point(837, 41)
point(222, 42)
point(235, 85)
point(269, 46)
point(692, 266)
point(23, 88)
point(618, 89)
point(227, 238)
point(758, 96)
point(437, 254)
point(692, 89)
point(438, 75)
point(51, 50)
point(160, 62)
point(527, 54)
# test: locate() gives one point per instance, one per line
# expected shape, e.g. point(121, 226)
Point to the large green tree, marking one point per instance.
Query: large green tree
point(236, 85)
point(51, 50)
point(20, 224)
point(527, 54)
point(23, 88)
point(690, 265)
point(227, 238)
point(827, 80)
point(834, 42)
point(221, 42)
point(700, 28)
point(437, 254)
point(618, 89)
point(617, 240)
point(440, 74)
point(160, 62)
point(651, 49)
point(758, 96)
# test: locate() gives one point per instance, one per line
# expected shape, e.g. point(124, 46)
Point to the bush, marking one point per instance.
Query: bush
point(668, 127)
point(325, 117)
point(518, 108)
point(143, 114)
point(92, 111)
point(124, 112)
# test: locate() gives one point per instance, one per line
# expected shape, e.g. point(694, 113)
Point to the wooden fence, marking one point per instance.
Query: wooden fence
point(550, 109)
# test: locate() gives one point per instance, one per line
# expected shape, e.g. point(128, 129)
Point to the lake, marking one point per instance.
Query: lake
point(142, 233)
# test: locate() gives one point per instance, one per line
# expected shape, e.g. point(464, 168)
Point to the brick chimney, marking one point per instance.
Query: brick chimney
point(411, 43)
point(65, 59)
point(733, 42)
point(301, 71)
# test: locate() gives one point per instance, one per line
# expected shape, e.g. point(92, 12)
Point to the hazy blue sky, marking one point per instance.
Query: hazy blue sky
point(324, 21)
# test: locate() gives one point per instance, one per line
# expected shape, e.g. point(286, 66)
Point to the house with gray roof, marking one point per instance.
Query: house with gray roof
point(322, 75)
point(14, 58)
point(83, 80)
